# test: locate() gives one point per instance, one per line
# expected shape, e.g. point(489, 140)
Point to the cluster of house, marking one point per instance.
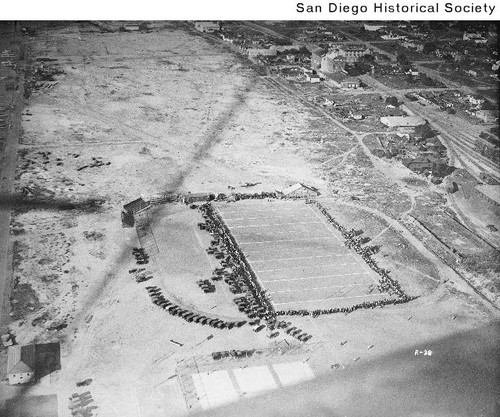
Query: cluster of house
point(336, 58)
point(406, 42)
point(475, 108)
point(251, 44)
point(469, 103)
point(207, 27)
point(423, 155)
point(331, 63)
point(453, 49)
point(319, 34)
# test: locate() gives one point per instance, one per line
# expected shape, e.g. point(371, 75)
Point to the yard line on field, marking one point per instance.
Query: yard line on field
point(277, 209)
point(285, 240)
point(318, 276)
point(323, 220)
point(313, 323)
point(315, 288)
point(270, 225)
point(301, 267)
point(277, 232)
point(363, 264)
point(296, 258)
point(327, 299)
point(368, 271)
point(269, 215)
point(278, 251)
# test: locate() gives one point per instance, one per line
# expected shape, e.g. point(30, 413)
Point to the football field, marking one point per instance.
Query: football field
point(298, 256)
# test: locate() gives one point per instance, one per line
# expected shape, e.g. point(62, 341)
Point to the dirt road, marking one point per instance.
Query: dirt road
point(12, 101)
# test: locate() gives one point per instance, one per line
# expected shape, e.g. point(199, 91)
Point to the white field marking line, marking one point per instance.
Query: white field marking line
point(327, 299)
point(277, 232)
point(361, 263)
point(284, 240)
point(301, 267)
point(270, 210)
point(280, 251)
point(319, 276)
point(315, 288)
point(313, 323)
point(368, 271)
point(416, 270)
point(325, 223)
point(273, 219)
point(270, 225)
point(268, 215)
point(137, 401)
point(296, 258)
point(246, 219)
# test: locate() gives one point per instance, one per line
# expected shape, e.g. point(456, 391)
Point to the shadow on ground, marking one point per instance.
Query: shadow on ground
point(460, 379)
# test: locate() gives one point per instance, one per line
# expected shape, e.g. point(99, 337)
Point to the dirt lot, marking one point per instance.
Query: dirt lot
point(143, 113)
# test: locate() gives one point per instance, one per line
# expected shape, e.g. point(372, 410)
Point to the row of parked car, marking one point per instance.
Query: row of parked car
point(233, 272)
point(237, 354)
point(250, 307)
point(140, 274)
point(206, 286)
point(174, 309)
point(141, 257)
point(234, 269)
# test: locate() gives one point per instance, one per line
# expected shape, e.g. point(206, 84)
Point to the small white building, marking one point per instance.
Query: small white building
point(208, 27)
point(253, 52)
point(313, 78)
point(487, 116)
point(299, 190)
point(131, 27)
point(370, 27)
point(402, 121)
point(393, 37)
point(21, 364)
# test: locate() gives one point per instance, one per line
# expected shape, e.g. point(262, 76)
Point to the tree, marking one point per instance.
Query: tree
point(393, 101)
point(403, 60)
point(425, 131)
point(429, 47)
point(367, 59)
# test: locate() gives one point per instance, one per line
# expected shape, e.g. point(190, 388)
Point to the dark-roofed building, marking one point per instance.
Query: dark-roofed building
point(21, 364)
point(130, 209)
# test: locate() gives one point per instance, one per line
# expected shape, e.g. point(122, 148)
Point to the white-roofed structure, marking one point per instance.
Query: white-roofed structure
point(207, 26)
point(402, 121)
point(299, 190)
point(21, 363)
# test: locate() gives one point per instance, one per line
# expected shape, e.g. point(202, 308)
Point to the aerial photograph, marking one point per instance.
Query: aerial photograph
point(249, 218)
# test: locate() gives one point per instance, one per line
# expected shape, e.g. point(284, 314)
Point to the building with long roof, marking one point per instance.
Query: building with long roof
point(21, 364)
point(402, 121)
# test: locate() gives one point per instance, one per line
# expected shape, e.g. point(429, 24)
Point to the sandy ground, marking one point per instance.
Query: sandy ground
point(169, 110)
